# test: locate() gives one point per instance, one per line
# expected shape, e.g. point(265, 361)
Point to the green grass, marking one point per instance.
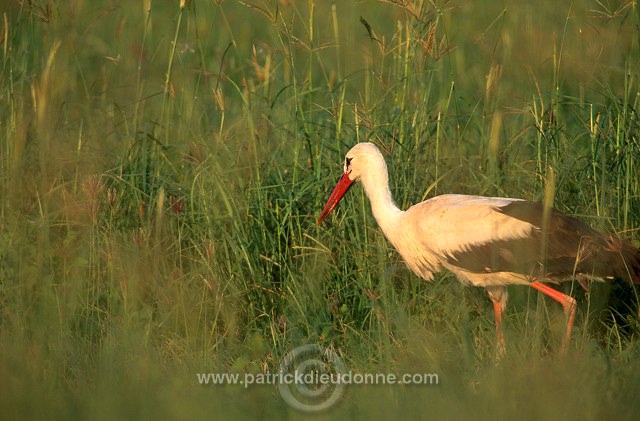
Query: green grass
point(162, 169)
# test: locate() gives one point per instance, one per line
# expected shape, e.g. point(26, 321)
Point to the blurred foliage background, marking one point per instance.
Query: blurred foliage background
point(162, 165)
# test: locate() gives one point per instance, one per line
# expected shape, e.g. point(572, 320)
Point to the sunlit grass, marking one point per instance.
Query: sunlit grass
point(162, 169)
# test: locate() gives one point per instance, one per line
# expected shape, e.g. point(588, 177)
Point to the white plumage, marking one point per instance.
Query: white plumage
point(487, 241)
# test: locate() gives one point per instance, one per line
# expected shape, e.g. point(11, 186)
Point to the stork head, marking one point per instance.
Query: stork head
point(361, 162)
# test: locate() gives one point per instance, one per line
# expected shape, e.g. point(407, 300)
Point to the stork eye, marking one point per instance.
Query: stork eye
point(348, 161)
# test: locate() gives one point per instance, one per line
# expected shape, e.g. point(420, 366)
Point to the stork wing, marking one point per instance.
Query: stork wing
point(485, 235)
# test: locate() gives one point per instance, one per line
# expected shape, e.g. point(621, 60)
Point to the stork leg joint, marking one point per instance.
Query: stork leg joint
point(568, 304)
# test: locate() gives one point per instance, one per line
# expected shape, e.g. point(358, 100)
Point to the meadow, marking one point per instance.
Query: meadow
point(163, 165)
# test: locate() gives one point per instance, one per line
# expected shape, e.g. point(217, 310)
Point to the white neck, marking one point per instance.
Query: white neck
point(376, 186)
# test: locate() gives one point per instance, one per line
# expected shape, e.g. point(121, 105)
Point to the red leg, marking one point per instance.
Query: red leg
point(568, 303)
point(497, 310)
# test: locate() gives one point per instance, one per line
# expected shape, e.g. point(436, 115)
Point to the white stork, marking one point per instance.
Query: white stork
point(488, 241)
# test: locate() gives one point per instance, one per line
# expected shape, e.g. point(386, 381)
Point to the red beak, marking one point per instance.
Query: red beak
point(338, 191)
